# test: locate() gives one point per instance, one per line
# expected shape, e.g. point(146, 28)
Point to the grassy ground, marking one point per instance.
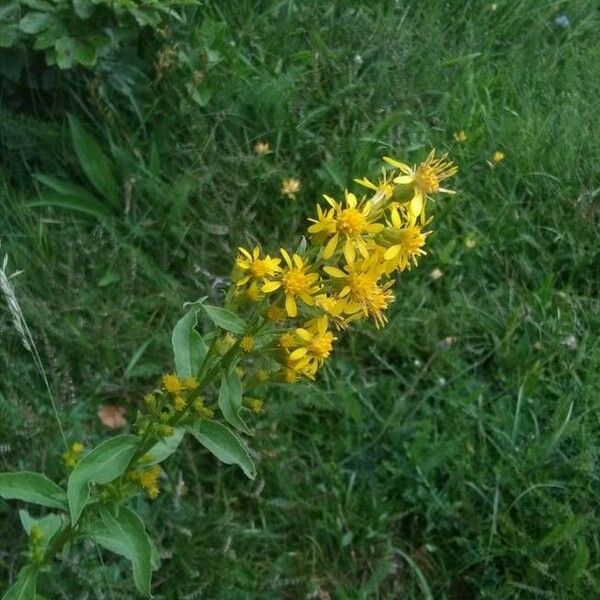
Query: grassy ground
point(453, 454)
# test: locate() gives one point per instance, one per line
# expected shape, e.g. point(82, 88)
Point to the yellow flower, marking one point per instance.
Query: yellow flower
point(460, 136)
point(290, 187)
point(262, 375)
point(201, 410)
point(424, 179)
point(403, 243)
point(172, 383)
point(179, 403)
point(297, 281)
point(384, 188)
point(190, 383)
point(254, 268)
point(72, 456)
point(148, 480)
point(255, 405)
point(362, 294)
point(314, 344)
point(276, 313)
point(289, 375)
point(287, 340)
point(351, 223)
point(261, 148)
point(247, 343)
point(497, 157)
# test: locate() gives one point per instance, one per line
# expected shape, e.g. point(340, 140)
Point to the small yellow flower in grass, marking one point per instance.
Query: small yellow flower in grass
point(497, 157)
point(436, 274)
point(261, 148)
point(460, 136)
point(254, 268)
point(290, 187)
point(72, 456)
point(297, 281)
point(172, 383)
point(425, 179)
point(247, 343)
point(351, 224)
point(470, 242)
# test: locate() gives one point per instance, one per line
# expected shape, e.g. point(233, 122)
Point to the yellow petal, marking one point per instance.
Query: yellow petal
point(391, 252)
point(396, 220)
point(298, 353)
point(334, 272)
point(290, 306)
point(286, 257)
point(303, 334)
point(351, 200)
point(245, 252)
point(403, 179)
point(416, 204)
point(349, 253)
point(330, 247)
point(396, 163)
point(271, 286)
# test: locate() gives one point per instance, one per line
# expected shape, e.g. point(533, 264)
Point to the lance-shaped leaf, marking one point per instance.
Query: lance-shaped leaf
point(224, 444)
point(47, 525)
point(24, 587)
point(32, 487)
point(189, 348)
point(103, 464)
point(124, 534)
point(163, 449)
point(225, 319)
point(230, 401)
point(94, 162)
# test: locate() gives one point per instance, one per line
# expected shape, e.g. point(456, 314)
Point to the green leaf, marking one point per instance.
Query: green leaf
point(66, 188)
point(103, 464)
point(86, 54)
point(32, 487)
point(24, 587)
point(47, 525)
point(225, 319)
point(565, 531)
point(163, 449)
point(127, 536)
point(65, 52)
point(230, 401)
point(93, 161)
point(189, 348)
point(34, 22)
point(89, 207)
point(224, 444)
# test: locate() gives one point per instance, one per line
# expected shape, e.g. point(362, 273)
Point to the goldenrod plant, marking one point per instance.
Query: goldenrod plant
point(279, 322)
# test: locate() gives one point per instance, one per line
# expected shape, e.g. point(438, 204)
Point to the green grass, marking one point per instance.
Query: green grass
point(453, 454)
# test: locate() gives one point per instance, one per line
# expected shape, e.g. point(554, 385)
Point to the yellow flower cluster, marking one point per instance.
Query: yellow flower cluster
point(346, 273)
point(147, 479)
point(183, 396)
point(72, 456)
